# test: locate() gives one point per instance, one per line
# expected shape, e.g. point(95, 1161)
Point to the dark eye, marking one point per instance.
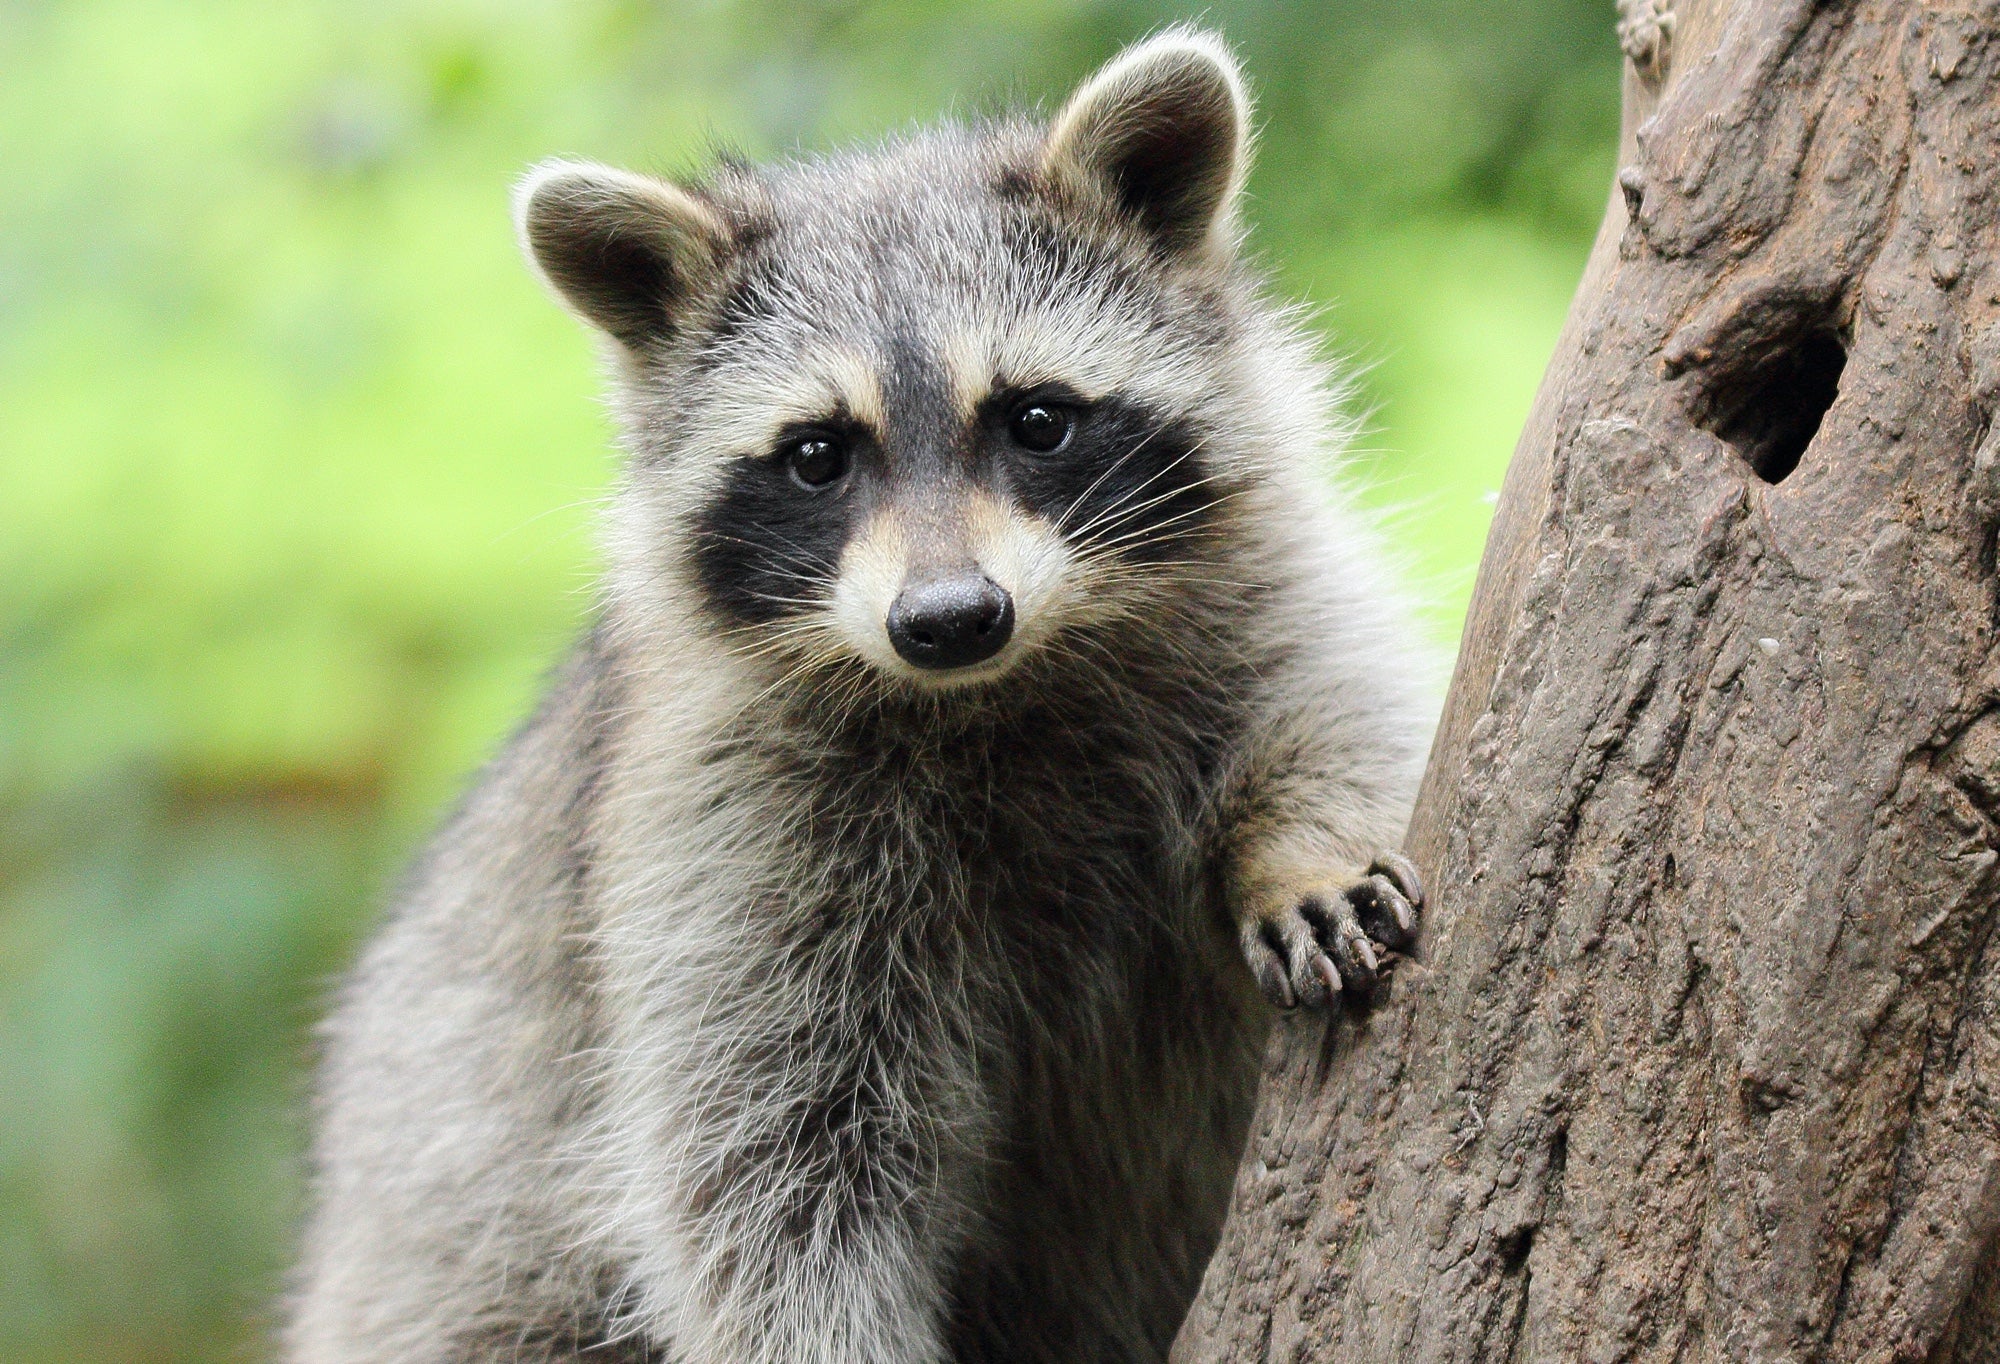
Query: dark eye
point(817, 461)
point(1041, 427)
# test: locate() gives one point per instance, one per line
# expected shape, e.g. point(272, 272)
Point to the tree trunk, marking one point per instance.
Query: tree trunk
point(1702, 1061)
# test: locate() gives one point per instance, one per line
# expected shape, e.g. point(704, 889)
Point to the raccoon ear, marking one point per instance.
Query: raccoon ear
point(626, 252)
point(1164, 129)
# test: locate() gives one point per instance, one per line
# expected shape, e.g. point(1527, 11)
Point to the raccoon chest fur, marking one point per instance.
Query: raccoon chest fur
point(973, 982)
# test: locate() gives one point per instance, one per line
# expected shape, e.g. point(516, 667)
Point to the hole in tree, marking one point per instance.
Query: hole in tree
point(1771, 410)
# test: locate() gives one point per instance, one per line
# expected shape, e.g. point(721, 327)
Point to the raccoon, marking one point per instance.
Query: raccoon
point(992, 711)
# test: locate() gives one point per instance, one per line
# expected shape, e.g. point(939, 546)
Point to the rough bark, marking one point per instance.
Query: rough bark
point(1702, 1060)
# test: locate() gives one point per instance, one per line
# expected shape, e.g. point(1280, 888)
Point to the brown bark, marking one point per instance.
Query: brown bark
point(1703, 1058)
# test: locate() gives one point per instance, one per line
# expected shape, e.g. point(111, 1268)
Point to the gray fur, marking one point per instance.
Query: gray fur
point(766, 1004)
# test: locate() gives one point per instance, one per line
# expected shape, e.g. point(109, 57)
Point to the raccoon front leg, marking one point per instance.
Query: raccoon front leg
point(1336, 733)
point(803, 1138)
point(1313, 935)
point(801, 1257)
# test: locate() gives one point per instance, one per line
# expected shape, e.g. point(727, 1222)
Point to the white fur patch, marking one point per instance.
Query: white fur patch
point(764, 399)
point(1026, 556)
point(872, 570)
point(1076, 339)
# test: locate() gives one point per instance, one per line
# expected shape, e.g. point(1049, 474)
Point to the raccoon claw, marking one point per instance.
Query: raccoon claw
point(1390, 897)
point(1322, 945)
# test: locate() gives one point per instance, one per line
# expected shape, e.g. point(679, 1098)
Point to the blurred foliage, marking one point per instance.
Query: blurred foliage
point(297, 467)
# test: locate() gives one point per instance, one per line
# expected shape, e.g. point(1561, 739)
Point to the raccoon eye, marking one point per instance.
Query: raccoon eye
point(816, 461)
point(1041, 426)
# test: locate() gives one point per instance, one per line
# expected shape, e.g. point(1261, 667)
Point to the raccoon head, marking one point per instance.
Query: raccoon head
point(927, 410)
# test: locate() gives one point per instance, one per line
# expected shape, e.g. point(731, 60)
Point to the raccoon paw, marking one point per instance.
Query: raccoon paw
point(1313, 947)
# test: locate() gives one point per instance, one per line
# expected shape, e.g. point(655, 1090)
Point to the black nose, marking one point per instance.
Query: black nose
point(951, 622)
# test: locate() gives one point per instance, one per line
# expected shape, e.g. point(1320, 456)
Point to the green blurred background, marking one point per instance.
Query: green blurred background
point(297, 469)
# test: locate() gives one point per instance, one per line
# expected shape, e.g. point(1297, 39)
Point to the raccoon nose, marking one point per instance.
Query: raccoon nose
point(951, 622)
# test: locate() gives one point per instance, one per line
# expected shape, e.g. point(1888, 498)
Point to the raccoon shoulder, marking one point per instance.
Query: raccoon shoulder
point(485, 927)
